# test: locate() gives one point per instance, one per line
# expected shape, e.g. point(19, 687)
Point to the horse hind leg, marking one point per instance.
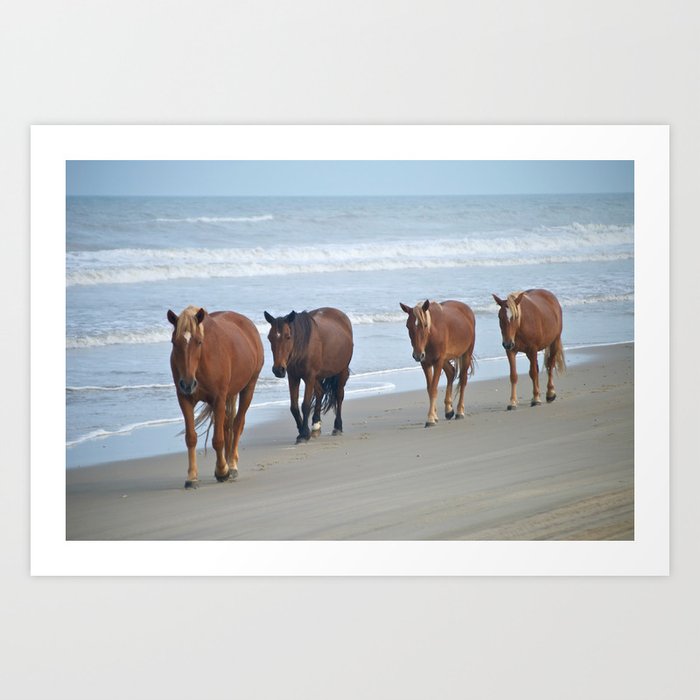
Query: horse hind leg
point(341, 380)
point(551, 358)
point(465, 363)
point(318, 400)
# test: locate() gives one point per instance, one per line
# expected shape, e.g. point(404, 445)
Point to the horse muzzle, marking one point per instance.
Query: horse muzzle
point(279, 371)
point(508, 346)
point(187, 388)
point(419, 356)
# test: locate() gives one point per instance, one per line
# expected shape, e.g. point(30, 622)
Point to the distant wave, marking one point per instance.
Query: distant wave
point(216, 219)
point(129, 265)
point(126, 387)
point(163, 334)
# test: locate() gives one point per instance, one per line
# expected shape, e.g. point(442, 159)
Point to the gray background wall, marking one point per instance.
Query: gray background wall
point(315, 61)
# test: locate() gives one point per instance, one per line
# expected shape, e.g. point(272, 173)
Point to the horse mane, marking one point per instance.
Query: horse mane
point(423, 317)
point(303, 325)
point(187, 323)
point(512, 306)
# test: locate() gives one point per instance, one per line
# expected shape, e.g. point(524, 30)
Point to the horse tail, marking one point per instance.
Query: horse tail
point(330, 394)
point(557, 357)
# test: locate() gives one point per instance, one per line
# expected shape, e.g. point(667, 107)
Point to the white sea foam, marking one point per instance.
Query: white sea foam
point(132, 265)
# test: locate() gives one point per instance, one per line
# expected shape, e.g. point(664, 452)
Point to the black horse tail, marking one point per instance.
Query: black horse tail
point(330, 393)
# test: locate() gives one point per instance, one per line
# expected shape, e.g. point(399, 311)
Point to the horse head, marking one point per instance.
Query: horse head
point(418, 324)
point(281, 337)
point(509, 318)
point(187, 340)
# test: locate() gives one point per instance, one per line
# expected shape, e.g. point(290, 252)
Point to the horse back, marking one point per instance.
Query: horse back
point(459, 317)
point(335, 340)
point(453, 327)
point(237, 341)
point(541, 316)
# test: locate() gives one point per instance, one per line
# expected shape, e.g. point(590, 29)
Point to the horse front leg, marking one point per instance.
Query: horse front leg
point(513, 381)
point(294, 400)
point(244, 399)
point(432, 394)
point(535, 376)
point(450, 374)
point(309, 386)
point(187, 408)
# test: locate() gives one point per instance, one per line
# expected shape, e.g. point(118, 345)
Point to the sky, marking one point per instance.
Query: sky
point(344, 178)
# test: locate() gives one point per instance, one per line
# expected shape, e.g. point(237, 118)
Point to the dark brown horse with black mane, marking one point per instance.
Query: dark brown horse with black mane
point(532, 321)
point(442, 333)
point(216, 358)
point(315, 346)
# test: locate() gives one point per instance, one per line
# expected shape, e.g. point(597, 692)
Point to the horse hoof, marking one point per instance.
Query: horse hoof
point(511, 407)
point(231, 475)
point(302, 438)
point(459, 416)
point(551, 398)
point(450, 415)
point(337, 431)
point(192, 484)
point(535, 403)
point(430, 425)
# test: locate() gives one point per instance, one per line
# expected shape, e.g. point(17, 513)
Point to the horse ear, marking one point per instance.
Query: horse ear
point(172, 318)
point(519, 298)
point(500, 302)
point(199, 316)
point(289, 318)
point(407, 309)
point(426, 304)
point(270, 319)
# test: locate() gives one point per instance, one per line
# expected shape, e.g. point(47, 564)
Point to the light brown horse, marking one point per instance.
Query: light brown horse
point(216, 358)
point(315, 346)
point(441, 333)
point(532, 321)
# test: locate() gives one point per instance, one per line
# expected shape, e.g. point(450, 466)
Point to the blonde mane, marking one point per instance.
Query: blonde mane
point(423, 317)
point(512, 306)
point(187, 323)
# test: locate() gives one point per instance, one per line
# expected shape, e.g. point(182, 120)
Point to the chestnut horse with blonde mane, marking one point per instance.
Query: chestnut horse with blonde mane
point(442, 333)
point(315, 346)
point(532, 321)
point(216, 358)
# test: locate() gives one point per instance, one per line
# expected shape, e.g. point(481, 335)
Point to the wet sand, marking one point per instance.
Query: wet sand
point(559, 471)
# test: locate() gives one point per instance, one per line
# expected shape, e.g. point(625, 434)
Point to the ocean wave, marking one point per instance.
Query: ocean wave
point(576, 243)
point(217, 219)
point(125, 387)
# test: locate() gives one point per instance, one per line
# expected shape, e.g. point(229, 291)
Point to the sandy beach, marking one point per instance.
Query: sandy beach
point(560, 471)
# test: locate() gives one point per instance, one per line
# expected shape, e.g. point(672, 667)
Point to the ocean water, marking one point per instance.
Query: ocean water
point(130, 259)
